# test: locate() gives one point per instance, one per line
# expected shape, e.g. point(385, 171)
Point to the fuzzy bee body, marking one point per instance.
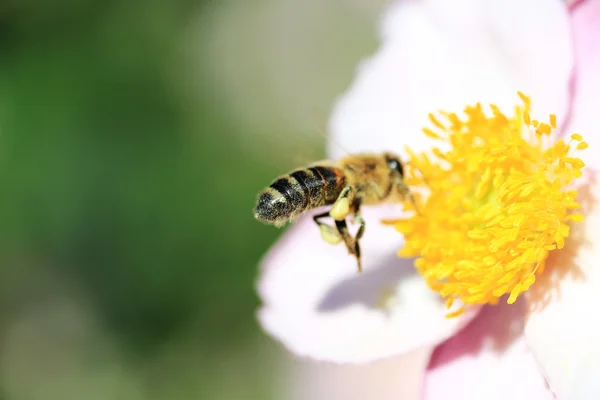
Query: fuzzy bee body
point(361, 179)
point(298, 192)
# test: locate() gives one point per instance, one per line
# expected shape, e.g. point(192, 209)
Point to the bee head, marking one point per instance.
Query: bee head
point(394, 164)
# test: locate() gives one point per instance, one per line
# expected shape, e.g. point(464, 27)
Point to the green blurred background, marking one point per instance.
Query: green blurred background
point(134, 137)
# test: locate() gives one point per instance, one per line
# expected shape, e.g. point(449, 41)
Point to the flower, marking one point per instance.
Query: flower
point(444, 55)
point(497, 204)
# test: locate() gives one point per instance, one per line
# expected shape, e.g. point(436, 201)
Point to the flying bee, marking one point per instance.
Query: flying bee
point(355, 180)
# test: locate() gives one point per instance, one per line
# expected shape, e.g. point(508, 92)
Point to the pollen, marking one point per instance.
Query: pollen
point(497, 198)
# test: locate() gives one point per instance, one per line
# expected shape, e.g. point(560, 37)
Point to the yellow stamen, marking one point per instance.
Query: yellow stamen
point(498, 202)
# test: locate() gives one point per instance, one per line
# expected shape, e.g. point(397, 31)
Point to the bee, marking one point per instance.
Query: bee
point(346, 185)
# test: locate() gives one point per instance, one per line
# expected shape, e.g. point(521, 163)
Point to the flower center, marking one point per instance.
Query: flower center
point(498, 202)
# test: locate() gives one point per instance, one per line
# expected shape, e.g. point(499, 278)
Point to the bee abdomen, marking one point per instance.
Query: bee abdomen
point(300, 191)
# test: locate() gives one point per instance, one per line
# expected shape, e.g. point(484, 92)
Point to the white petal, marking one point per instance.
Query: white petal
point(318, 306)
point(563, 328)
point(438, 54)
point(399, 377)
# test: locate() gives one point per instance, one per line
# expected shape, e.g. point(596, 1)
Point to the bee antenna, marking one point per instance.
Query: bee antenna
point(411, 197)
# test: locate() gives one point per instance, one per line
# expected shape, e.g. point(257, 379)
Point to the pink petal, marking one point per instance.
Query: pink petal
point(488, 360)
point(399, 377)
point(317, 305)
point(447, 54)
point(563, 328)
point(584, 114)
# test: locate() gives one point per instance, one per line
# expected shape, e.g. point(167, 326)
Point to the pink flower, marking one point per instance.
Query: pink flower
point(440, 54)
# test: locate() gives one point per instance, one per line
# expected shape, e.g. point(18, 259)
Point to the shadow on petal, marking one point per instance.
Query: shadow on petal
point(488, 359)
point(370, 287)
point(495, 328)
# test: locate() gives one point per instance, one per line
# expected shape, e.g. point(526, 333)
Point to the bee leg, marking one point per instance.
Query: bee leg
point(343, 205)
point(329, 233)
point(361, 227)
point(359, 234)
point(351, 243)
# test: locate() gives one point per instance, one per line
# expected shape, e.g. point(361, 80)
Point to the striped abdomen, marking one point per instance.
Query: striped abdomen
point(297, 192)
